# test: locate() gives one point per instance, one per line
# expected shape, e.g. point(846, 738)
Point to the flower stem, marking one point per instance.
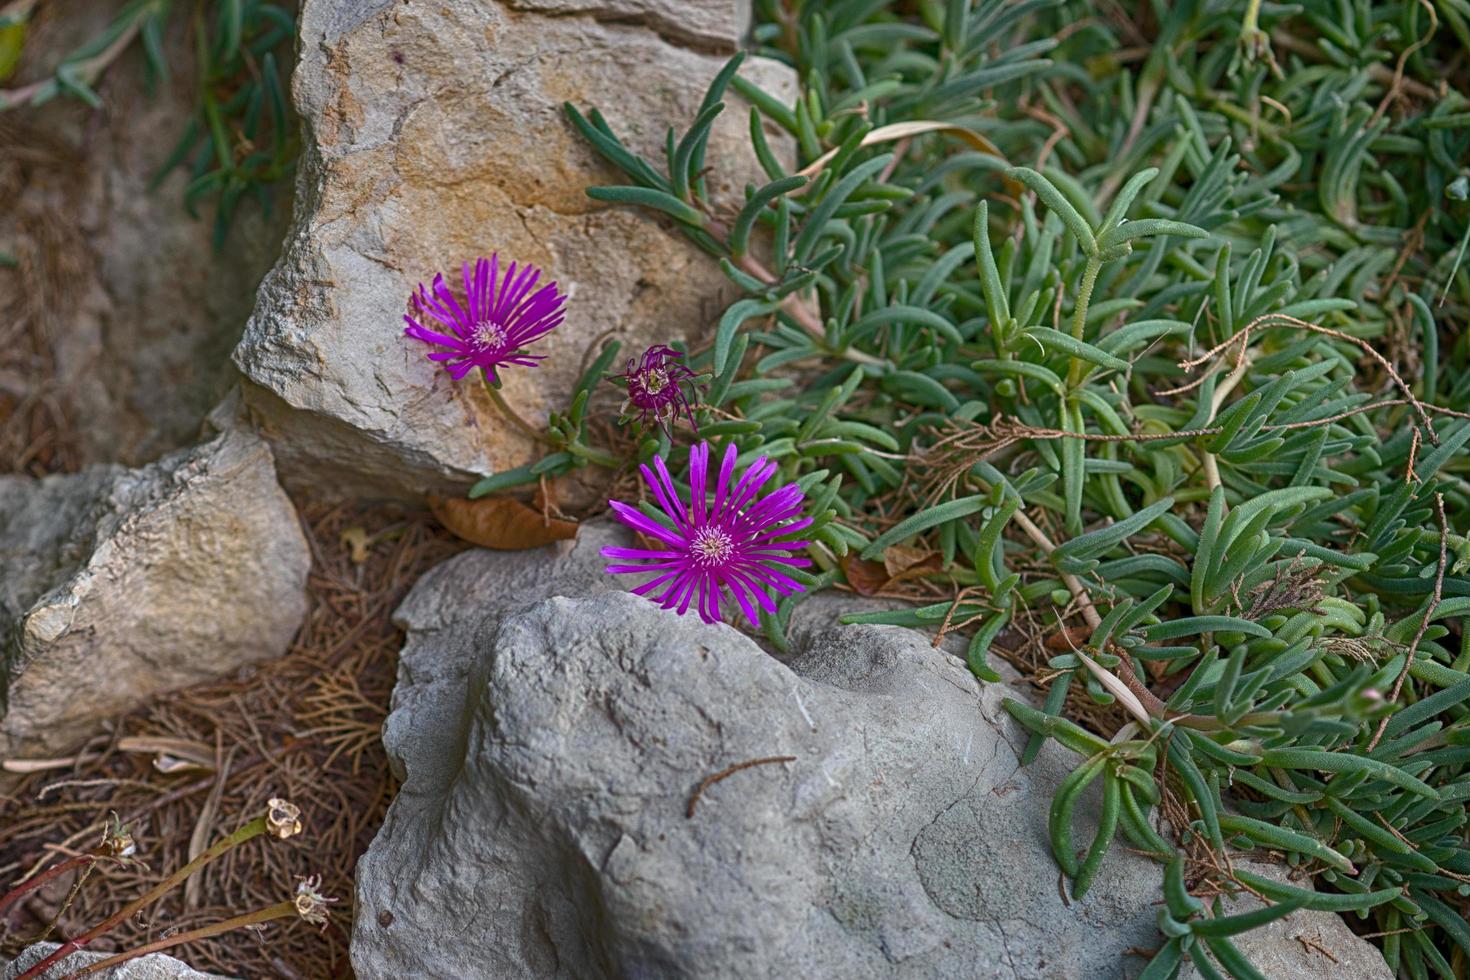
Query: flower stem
point(1148, 705)
point(31, 884)
point(511, 416)
point(254, 828)
point(280, 910)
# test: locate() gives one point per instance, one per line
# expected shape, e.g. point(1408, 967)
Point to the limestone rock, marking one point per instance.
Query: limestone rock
point(436, 133)
point(119, 584)
point(552, 750)
point(1292, 947)
point(716, 26)
point(155, 967)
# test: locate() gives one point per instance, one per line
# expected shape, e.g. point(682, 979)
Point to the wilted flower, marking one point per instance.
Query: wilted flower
point(117, 839)
point(736, 543)
point(310, 903)
point(282, 818)
point(655, 387)
point(500, 316)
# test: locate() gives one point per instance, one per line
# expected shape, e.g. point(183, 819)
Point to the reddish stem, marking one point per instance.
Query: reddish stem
point(31, 884)
point(258, 917)
point(252, 829)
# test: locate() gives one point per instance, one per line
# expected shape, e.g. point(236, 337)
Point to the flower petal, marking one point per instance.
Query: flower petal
point(635, 519)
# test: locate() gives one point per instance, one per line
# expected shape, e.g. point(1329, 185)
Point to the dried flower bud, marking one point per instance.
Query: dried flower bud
point(311, 904)
point(283, 819)
point(117, 839)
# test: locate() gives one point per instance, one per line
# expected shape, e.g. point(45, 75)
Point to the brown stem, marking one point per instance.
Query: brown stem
point(31, 884)
point(1211, 467)
point(791, 303)
point(1283, 320)
point(710, 780)
point(1378, 72)
point(254, 828)
point(1150, 702)
point(280, 910)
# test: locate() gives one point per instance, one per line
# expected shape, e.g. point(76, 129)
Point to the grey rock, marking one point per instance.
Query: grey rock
point(1293, 946)
point(550, 749)
point(156, 966)
point(119, 584)
point(436, 133)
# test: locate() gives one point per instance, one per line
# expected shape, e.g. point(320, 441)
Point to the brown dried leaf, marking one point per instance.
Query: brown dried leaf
point(865, 577)
point(904, 562)
point(172, 755)
point(899, 563)
point(499, 522)
point(1070, 638)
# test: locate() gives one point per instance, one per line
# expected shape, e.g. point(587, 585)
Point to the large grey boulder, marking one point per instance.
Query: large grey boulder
point(552, 750)
point(154, 967)
point(119, 584)
point(436, 133)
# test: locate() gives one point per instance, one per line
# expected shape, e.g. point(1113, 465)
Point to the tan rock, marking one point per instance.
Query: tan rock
point(436, 133)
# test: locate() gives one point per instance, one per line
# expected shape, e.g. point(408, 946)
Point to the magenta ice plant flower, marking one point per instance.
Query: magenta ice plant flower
point(655, 385)
point(501, 314)
point(737, 543)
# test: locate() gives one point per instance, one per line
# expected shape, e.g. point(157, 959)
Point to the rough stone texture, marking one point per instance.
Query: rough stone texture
point(1282, 949)
point(700, 24)
point(550, 749)
point(435, 133)
point(154, 967)
point(118, 584)
point(137, 310)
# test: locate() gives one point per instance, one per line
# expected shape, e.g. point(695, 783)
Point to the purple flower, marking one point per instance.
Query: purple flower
point(500, 316)
point(655, 388)
point(735, 543)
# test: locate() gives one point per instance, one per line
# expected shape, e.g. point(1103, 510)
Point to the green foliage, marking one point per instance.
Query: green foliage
point(1163, 338)
point(240, 140)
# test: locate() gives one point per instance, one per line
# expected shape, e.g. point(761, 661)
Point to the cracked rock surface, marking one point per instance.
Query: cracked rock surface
point(436, 133)
point(118, 584)
point(551, 747)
